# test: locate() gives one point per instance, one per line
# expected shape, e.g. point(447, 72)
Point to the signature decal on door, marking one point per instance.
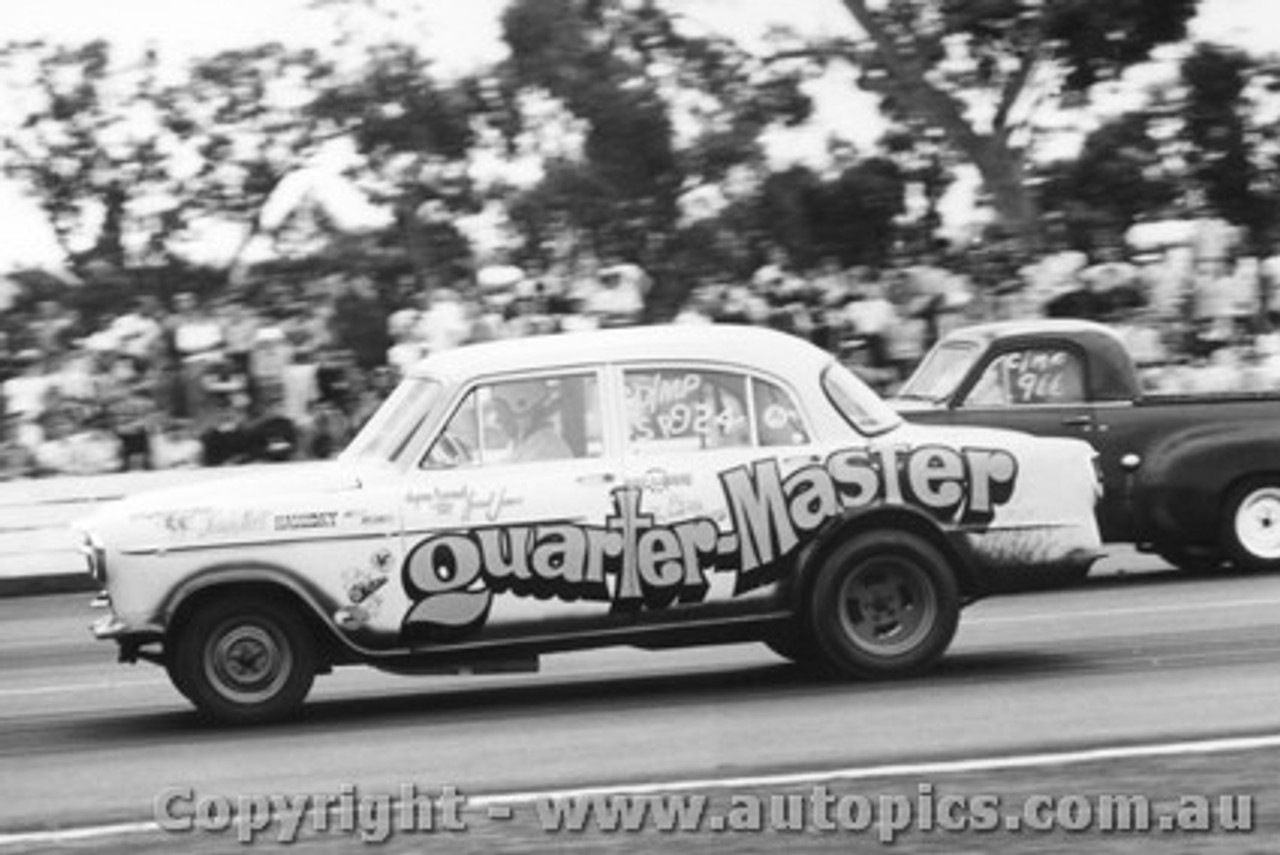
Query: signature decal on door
point(634, 562)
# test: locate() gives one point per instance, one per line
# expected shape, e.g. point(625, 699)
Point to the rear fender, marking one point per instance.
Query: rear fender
point(898, 518)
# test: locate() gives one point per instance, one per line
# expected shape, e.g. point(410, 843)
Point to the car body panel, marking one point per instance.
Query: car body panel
point(426, 546)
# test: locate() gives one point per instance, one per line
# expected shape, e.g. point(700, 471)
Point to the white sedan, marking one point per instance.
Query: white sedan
point(649, 486)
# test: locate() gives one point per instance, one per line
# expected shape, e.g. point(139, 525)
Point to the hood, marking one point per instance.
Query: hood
point(324, 497)
point(308, 478)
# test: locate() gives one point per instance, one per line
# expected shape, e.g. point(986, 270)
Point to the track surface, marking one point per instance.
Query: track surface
point(1127, 660)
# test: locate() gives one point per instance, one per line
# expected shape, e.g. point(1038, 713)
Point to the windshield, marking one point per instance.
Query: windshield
point(941, 371)
point(386, 434)
point(863, 408)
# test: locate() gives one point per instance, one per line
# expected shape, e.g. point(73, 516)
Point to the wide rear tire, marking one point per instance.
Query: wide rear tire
point(244, 660)
point(884, 604)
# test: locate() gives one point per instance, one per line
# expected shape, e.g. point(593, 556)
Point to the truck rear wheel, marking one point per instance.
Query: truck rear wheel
point(241, 659)
point(884, 604)
point(1251, 524)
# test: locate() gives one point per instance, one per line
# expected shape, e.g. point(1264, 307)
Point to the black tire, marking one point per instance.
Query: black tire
point(884, 604)
point(244, 660)
point(177, 678)
point(1251, 524)
point(795, 644)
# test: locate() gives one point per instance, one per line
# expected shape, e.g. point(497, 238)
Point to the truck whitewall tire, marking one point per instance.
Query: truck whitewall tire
point(1251, 524)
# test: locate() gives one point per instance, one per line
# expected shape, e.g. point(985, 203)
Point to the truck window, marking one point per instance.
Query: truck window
point(942, 370)
point(1050, 375)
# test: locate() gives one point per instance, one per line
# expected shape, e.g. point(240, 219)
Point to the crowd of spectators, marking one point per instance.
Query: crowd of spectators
point(207, 382)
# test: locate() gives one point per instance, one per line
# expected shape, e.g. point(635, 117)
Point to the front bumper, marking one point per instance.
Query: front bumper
point(111, 627)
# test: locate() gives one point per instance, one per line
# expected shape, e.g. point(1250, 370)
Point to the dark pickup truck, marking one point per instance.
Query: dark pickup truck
point(1194, 478)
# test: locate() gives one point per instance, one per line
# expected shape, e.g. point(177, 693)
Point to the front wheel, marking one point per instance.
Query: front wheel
point(884, 604)
point(1251, 524)
point(242, 660)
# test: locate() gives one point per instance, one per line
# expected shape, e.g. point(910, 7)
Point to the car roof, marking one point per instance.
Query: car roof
point(757, 348)
point(1033, 326)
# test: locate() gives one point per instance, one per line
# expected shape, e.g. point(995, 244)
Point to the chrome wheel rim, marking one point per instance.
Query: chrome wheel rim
point(1257, 523)
point(888, 606)
point(248, 663)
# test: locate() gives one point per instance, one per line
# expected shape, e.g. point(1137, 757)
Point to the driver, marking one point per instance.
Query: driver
point(524, 411)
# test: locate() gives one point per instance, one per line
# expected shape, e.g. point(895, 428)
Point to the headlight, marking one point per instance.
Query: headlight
point(95, 559)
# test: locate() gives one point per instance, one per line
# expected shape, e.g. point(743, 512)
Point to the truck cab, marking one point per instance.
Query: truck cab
point(1195, 478)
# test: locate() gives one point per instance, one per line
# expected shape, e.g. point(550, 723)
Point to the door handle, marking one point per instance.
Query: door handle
point(596, 478)
point(1078, 421)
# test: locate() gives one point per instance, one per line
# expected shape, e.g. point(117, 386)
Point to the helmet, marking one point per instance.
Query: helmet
point(523, 396)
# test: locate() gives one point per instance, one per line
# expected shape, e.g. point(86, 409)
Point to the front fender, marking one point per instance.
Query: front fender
point(1194, 470)
point(318, 607)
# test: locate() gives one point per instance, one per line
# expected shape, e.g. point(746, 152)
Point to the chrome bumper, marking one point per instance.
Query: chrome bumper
point(108, 628)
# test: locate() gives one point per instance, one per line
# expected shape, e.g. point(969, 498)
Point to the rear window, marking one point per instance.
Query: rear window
point(860, 406)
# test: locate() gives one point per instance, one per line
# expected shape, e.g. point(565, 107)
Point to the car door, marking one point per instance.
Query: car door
point(495, 512)
point(1041, 389)
point(696, 436)
point(1044, 389)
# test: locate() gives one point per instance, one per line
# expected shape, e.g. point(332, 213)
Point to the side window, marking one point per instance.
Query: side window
point(522, 421)
point(673, 409)
point(1033, 376)
point(778, 420)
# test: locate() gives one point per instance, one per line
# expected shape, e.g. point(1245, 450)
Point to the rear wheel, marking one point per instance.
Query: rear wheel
point(884, 604)
point(241, 660)
point(1251, 524)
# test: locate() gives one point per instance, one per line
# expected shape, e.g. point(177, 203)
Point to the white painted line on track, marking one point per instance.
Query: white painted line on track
point(1065, 614)
point(906, 770)
point(792, 779)
point(80, 687)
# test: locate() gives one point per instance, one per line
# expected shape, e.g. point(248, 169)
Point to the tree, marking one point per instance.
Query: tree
point(415, 133)
point(849, 217)
point(1118, 177)
point(128, 162)
point(666, 111)
point(74, 149)
point(966, 67)
point(1223, 147)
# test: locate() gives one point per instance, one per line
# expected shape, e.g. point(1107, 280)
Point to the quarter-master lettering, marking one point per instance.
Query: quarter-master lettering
point(634, 562)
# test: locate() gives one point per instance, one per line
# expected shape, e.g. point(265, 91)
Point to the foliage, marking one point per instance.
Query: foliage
point(968, 69)
point(849, 218)
point(1222, 141)
point(1117, 179)
point(1204, 148)
point(667, 111)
